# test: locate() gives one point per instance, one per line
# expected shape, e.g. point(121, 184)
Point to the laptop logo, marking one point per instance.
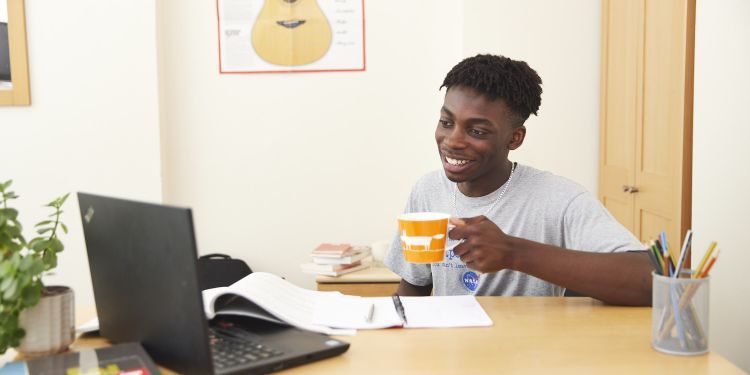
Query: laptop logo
point(89, 215)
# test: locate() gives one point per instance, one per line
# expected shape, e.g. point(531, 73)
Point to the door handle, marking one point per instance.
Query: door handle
point(629, 189)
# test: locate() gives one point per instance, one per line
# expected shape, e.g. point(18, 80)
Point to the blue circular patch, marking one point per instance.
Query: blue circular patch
point(470, 280)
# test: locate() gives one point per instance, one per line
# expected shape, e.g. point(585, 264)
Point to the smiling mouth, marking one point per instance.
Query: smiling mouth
point(456, 162)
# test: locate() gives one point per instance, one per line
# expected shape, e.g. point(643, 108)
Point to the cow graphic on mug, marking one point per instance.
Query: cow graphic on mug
point(423, 236)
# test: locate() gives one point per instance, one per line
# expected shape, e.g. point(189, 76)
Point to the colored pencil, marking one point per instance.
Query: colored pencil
point(704, 260)
point(665, 245)
point(654, 262)
point(710, 264)
point(662, 252)
point(658, 257)
point(683, 252)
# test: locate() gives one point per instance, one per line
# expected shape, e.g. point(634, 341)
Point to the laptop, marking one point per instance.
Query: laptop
point(142, 258)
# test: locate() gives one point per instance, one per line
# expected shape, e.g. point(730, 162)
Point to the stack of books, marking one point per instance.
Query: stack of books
point(338, 259)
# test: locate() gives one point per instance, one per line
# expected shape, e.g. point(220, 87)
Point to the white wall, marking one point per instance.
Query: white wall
point(561, 41)
point(720, 174)
point(93, 121)
point(274, 164)
point(3, 11)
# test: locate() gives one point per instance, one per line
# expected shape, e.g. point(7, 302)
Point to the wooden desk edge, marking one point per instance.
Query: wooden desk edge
point(372, 275)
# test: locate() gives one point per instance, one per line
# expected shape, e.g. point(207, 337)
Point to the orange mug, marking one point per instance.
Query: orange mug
point(423, 236)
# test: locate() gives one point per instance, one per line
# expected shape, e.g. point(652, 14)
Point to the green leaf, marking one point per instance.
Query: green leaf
point(18, 334)
point(45, 222)
point(25, 264)
point(15, 259)
point(33, 242)
point(15, 247)
point(38, 244)
point(50, 260)
point(13, 231)
point(31, 294)
point(5, 269)
point(10, 293)
point(10, 245)
point(5, 184)
point(5, 284)
point(24, 281)
point(63, 199)
point(64, 227)
point(9, 213)
point(44, 230)
point(56, 245)
point(37, 267)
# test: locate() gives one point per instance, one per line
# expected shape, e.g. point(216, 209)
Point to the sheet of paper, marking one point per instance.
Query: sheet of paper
point(421, 312)
point(444, 311)
point(90, 326)
point(353, 312)
point(279, 297)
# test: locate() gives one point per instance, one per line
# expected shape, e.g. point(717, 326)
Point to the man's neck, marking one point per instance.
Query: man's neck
point(488, 183)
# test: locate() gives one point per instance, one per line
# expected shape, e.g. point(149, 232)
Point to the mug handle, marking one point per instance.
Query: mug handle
point(449, 248)
point(450, 227)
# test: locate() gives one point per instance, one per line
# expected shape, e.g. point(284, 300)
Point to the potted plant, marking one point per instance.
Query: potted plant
point(34, 318)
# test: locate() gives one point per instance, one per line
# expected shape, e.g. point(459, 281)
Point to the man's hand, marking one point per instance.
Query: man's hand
point(485, 247)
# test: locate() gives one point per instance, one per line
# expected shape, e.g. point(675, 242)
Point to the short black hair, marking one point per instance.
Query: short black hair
point(498, 77)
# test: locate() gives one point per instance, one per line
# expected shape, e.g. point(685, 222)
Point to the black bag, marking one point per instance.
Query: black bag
point(215, 270)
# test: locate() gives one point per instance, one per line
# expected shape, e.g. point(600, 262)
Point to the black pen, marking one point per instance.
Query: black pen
point(399, 307)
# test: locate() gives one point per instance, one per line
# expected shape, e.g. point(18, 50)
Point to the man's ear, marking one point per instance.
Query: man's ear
point(519, 134)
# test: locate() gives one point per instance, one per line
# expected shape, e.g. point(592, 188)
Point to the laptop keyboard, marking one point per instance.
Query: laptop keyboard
point(230, 349)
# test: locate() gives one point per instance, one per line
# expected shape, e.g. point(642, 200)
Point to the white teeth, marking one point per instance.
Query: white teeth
point(455, 161)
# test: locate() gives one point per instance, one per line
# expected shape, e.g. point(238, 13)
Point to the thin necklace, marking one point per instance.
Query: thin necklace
point(505, 188)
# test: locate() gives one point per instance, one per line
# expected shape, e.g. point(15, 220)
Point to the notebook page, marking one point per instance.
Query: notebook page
point(352, 312)
point(279, 297)
point(444, 311)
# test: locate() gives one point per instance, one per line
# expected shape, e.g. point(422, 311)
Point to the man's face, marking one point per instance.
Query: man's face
point(473, 137)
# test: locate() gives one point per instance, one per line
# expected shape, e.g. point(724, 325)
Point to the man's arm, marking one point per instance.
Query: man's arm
point(616, 278)
point(407, 289)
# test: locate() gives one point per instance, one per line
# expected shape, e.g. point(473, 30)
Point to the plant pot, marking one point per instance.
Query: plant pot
point(50, 325)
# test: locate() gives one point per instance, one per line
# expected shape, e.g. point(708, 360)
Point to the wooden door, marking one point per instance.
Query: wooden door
point(622, 28)
point(646, 120)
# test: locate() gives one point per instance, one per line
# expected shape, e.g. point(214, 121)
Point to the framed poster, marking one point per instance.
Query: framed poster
point(14, 67)
point(282, 36)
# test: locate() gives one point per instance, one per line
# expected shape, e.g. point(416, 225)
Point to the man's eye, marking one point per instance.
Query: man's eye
point(478, 132)
point(444, 123)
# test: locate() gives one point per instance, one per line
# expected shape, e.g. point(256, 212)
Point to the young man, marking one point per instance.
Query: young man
point(520, 231)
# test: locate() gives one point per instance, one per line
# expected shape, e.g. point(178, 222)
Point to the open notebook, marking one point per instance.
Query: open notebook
point(267, 296)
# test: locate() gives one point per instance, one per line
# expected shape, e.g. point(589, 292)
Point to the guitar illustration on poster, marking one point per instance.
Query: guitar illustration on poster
point(291, 32)
point(278, 36)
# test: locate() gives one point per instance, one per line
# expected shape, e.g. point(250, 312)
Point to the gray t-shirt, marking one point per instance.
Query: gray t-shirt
point(537, 206)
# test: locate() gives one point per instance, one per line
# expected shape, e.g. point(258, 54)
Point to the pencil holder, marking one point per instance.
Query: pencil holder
point(679, 320)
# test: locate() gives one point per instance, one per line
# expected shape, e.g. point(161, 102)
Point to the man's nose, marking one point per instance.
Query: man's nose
point(456, 138)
